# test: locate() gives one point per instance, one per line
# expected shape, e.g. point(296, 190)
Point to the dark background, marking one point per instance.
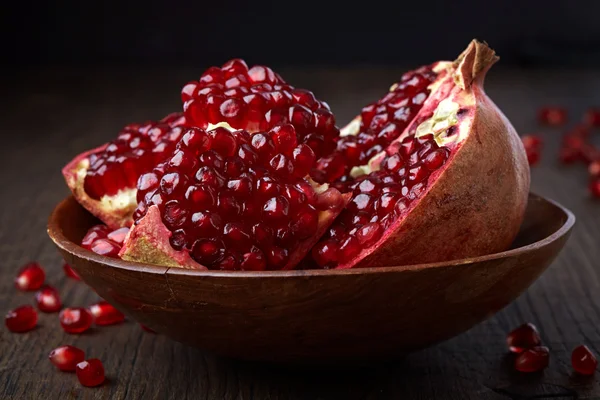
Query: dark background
point(199, 33)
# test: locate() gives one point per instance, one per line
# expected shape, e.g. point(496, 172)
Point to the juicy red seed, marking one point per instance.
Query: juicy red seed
point(105, 314)
point(118, 236)
point(417, 174)
point(262, 74)
point(284, 138)
point(48, 299)
point(67, 357)
point(70, 272)
point(594, 169)
point(281, 165)
point(223, 142)
point(595, 188)
point(533, 360)
point(276, 208)
point(553, 115)
point(583, 360)
point(189, 91)
point(90, 372)
point(592, 117)
point(306, 223)
point(278, 257)
point(349, 249)
point(435, 159)
point(304, 160)
point(30, 277)
point(369, 234)
point(531, 142)
point(75, 320)
point(21, 319)
point(325, 253)
point(533, 156)
point(569, 155)
point(207, 251)
point(201, 197)
point(361, 202)
point(393, 163)
point(174, 214)
point(254, 261)
point(522, 338)
point(93, 234)
point(106, 247)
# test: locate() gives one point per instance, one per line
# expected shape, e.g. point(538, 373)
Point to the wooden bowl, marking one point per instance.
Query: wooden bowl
point(325, 316)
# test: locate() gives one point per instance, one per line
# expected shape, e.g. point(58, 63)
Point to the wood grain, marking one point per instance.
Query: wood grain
point(49, 116)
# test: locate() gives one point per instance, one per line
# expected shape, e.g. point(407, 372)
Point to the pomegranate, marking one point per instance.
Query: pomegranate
point(230, 200)
point(21, 319)
point(552, 115)
point(533, 360)
point(583, 360)
point(522, 338)
point(48, 299)
point(75, 320)
point(105, 314)
point(90, 372)
point(257, 99)
point(101, 240)
point(458, 170)
point(103, 180)
point(30, 277)
point(67, 357)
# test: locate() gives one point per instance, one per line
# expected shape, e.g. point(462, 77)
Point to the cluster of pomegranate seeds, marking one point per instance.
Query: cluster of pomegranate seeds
point(75, 320)
point(380, 123)
point(235, 201)
point(257, 99)
point(552, 115)
point(380, 198)
point(533, 360)
point(70, 272)
point(90, 372)
point(48, 299)
point(101, 240)
point(522, 338)
point(584, 361)
point(66, 358)
point(30, 277)
point(137, 149)
point(533, 147)
point(21, 319)
point(105, 314)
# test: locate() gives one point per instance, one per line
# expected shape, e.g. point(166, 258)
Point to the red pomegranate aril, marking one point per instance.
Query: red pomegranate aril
point(93, 234)
point(522, 338)
point(21, 319)
point(75, 320)
point(594, 188)
point(531, 141)
point(533, 156)
point(592, 117)
point(583, 360)
point(306, 224)
point(30, 277)
point(90, 373)
point(254, 260)
point(276, 208)
point(349, 248)
point(594, 169)
point(48, 299)
point(534, 359)
point(552, 115)
point(105, 314)
point(66, 357)
point(304, 160)
point(118, 236)
point(70, 272)
point(325, 253)
point(106, 247)
point(188, 91)
point(369, 233)
point(569, 155)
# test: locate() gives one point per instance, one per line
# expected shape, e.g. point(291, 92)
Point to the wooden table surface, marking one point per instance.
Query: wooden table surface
point(49, 116)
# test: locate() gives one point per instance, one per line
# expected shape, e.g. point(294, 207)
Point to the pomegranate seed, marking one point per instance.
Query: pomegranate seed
point(118, 236)
point(106, 247)
point(349, 248)
point(21, 319)
point(90, 372)
point(533, 360)
point(75, 320)
point(592, 117)
point(67, 357)
point(70, 272)
point(144, 327)
point(533, 156)
point(531, 141)
point(553, 116)
point(569, 155)
point(583, 360)
point(595, 188)
point(594, 169)
point(325, 253)
point(93, 234)
point(522, 338)
point(48, 299)
point(30, 277)
point(105, 314)
point(276, 208)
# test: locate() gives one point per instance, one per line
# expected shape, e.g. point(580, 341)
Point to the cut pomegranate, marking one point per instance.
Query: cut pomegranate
point(101, 240)
point(67, 357)
point(90, 372)
point(70, 272)
point(75, 320)
point(592, 117)
point(459, 170)
point(257, 99)
point(30, 277)
point(21, 319)
point(103, 180)
point(552, 115)
point(234, 201)
point(48, 299)
point(522, 338)
point(533, 147)
point(595, 188)
point(583, 360)
point(105, 314)
point(533, 360)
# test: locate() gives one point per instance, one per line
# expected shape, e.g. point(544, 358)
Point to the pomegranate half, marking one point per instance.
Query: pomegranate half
point(452, 184)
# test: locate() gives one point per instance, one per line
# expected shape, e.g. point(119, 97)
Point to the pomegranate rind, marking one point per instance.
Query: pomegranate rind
point(115, 211)
point(475, 204)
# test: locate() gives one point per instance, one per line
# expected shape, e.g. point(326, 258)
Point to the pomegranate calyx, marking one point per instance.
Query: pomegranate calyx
point(472, 63)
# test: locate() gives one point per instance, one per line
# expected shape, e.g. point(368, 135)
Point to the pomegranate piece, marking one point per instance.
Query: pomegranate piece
point(238, 204)
point(90, 372)
point(70, 272)
point(522, 338)
point(446, 175)
point(104, 180)
point(533, 147)
point(21, 319)
point(592, 117)
point(75, 320)
point(66, 357)
point(583, 360)
point(101, 240)
point(257, 99)
point(552, 115)
point(105, 314)
point(595, 188)
point(48, 299)
point(533, 360)
point(30, 277)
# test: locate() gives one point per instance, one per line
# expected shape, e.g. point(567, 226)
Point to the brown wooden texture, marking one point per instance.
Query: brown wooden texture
point(49, 116)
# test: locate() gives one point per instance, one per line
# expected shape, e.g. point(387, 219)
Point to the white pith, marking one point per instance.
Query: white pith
point(444, 117)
